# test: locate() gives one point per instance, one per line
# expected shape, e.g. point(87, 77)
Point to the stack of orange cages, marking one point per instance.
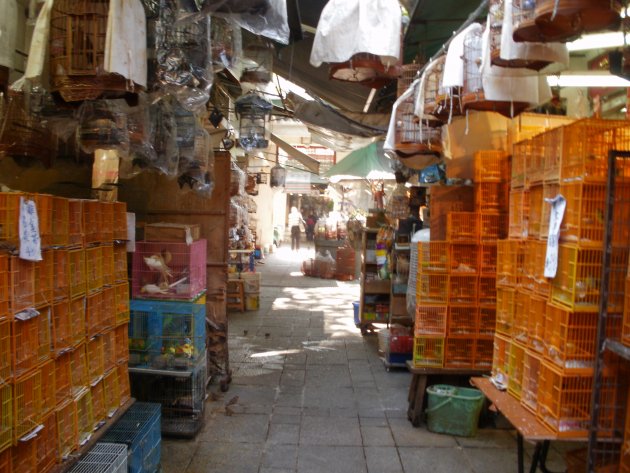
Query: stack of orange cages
point(544, 346)
point(59, 376)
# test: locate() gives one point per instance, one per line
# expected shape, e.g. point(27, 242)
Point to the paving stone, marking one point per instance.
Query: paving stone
point(383, 460)
point(284, 434)
point(319, 459)
point(406, 435)
point(280, 456)
point(437, 460)
point(374, 436)
point(330, 431)
point(218, 457)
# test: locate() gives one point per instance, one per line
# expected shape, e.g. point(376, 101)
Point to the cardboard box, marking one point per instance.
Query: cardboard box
point(171, 232)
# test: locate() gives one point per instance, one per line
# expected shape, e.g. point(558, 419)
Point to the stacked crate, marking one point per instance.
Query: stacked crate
point(58, 319)
point(544, 348)
point(456, 279)
point(167, 329)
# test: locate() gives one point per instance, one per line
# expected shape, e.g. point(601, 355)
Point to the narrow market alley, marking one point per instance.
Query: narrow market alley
point(312, 395)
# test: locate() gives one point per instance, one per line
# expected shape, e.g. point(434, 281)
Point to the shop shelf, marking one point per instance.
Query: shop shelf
point(108, 264)
point(77, 316)
point(4, 285)
point(491, 197)
point(24, 456)
point(532, 362)
point(462, 227)
point(75, 225)
point(96, 359)
point(535, 207)
point(167, 335)
point(520, 325)
point(120, 263)
point(491, 166)
point(459, 352)
point(487, 290)
point(25, 335)
point(49, 395)
point(122, 343)
point(583, 221)
point(432, 288)
point(520, 153)
point(510, 260)
point(506, 304)
point(569, 337)
point(537, 320)
point(79, 374)
point(515, 369)
point(6, 351)
point(97, 393)
point(433, 257)
point(120, 221)
point(493, 227)
point(67, 440)
point(83, 416)
point(62, 321)
point(488, 258)
point(111, 392)
point(6, 416)
point(9, 217)
point(577, 282)
point(78, 275)
point(123, 382)
point(462, 289)
point(44, 279)
point(61, 274)
point(550, 191)
point(109, 349)
point(122, 303)
point(564, 400)
point(94, 268)
point(518, 218)
point(184, 274)
point(430, 320)
point(487, 320)
point(106, 227)
point(63, 378)
point(428, 352)
point(464, 258)
point(501, 356)
point(109, 309)
point(535, 161)
point(484, 348)
point(60, 222)
point(27, 401)
point(462, 321)
point(21, 284)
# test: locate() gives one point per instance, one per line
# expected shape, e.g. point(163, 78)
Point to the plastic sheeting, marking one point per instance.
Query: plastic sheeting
point(8, 32)
point(348, 27)
point(454, 65)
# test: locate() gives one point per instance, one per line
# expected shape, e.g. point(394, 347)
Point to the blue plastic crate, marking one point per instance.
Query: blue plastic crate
point(140, 429)
point(166, 335)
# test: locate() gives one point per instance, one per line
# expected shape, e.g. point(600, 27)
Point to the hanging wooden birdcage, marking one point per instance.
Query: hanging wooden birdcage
point(440, 102)
point(22, 135)
point(409, 73)
point(365, 69)
point(563, 20)
point(414, 136)
point(524, 20)
point(78, 30)
point(473, 96)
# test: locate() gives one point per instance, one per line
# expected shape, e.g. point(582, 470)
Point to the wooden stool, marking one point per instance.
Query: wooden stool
point(236, 295)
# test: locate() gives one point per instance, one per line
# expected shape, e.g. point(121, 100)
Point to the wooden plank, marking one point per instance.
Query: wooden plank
point(448, 371)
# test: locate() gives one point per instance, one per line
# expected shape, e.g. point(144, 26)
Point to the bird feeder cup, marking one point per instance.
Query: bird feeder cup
point(252, 112)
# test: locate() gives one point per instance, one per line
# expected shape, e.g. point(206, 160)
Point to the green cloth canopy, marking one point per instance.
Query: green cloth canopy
point(364, 163)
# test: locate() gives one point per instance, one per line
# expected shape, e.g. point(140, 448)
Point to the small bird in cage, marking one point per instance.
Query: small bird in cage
point(159, 262)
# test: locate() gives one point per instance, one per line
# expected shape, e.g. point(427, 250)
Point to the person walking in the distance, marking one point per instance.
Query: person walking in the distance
point(295, 219)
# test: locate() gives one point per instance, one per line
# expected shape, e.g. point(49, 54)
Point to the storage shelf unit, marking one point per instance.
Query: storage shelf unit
point(375, 293)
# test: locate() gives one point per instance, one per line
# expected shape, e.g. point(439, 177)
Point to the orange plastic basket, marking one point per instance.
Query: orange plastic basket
point(459, 352)
point(483, 353)
point(106, 224)
point(49, 399)
point(83, 416)
point(63, 378)
point(537, 320)
point(464, 258)
point(79, 374)
point(122, 303)
point(515, 369)
point(520, 152)
point(26, 345)
point(109, 350)
point(428, 352)
point(488, 258)
point(109, 309)
point(6, 416)
point(487, 320)
point(491, 166)
point(462, 289)
point(535, 161)
point(535, 205)
point(577, 282)
point(61, 274)
point(78, 275)
point(122, 343)
point(491, 197)
point(21, 284)
point(7, 352)
point(487, 290)
point(94, 314)
point(570, 337)
point(430, 320)
point(67, 440)
point(433, 257)
point(123, 383)
point(27, 402)
point(60, 222)
point(10, 217)
point(77, 315)
point(432, 288)
point(564, 400)
point(506, 304)
point(24, 456)
point(462, 226)
point(501, 355)
point(518, 219)
point(550, 191)
point(531, 372)
point(98, 402)
point(112, 392)
point(462, 321)
point(108, 264)
point(96, 359)
point(120, 263)
point(120, 221)
point(493, 227)
point(94, 268)
point(46, 442)
point(510, 260)
point(75, 225)
point(62, 327)
point(4, 285)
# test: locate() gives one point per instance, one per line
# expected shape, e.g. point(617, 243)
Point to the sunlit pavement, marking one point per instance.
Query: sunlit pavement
point(314, 396)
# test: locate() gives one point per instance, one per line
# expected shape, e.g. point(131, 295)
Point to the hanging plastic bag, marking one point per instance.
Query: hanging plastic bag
point(267, 18)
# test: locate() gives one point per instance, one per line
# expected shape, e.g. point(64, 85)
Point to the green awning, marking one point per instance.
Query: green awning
point(365, 163)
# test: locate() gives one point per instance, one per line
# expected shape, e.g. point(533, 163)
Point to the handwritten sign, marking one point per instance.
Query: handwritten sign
point(558, 206)
point(30, 241)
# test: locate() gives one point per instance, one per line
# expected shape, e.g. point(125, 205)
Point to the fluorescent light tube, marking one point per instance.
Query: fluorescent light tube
point(587, 79)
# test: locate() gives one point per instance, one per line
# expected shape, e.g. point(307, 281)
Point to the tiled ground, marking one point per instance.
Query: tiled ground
point(314, 396)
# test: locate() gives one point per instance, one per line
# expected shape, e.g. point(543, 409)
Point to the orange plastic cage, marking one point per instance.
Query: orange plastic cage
point(462, 320)
point(428, 352)
point(493, 227)
point(459, 352)
point(464, 258)
point(531, 372)
point(462, 226)
point(78, 275)
point(488, 258)
point(27, 402)
point(430, 320)
point(432, 288)
point(483, 353)
point(491, 166)
point(462, 289)
point(96, 359)
point(433, 256)
point(506, 304)
point(515, 369)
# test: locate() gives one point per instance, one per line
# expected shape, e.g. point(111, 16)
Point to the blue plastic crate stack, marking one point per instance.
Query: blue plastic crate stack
point(167, 331)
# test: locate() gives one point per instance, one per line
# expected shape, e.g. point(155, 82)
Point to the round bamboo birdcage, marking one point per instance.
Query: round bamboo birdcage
point(22, 135)
point(78, 30)
point(524, 20)
point(440, 102)
point(414, 136)
point(562, 20)
point(365, 69)
point(408, 73)
point(473, 96)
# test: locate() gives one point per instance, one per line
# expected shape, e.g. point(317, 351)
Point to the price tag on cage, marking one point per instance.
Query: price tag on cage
point(30, 240)
point(558, 206)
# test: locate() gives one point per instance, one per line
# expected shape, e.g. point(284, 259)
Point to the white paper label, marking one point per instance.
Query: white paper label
point(30, 241)
point(558, 206)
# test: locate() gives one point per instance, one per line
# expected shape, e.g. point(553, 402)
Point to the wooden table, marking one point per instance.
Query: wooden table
point(419, 382)
point(526, 424)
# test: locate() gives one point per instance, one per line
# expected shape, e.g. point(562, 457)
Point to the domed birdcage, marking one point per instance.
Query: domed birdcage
point(439, 101)
point(365, 69)
point(473, 95)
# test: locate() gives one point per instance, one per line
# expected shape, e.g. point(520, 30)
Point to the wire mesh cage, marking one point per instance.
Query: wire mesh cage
point(414, 136)
point(103, 458)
